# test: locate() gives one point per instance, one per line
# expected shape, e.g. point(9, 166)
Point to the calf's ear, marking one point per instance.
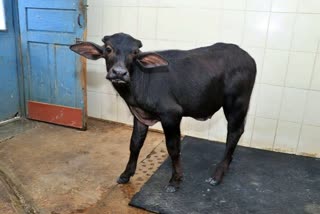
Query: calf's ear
point(88, 49)
point(151, 60)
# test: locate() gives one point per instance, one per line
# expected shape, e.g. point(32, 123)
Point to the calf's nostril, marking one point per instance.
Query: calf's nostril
point(120, 72)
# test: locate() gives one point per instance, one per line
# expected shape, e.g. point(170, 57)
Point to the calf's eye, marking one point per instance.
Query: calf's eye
point(108, 50)
point(135, 52)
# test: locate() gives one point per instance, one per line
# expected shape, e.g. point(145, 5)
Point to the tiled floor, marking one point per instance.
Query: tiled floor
point(53, 169)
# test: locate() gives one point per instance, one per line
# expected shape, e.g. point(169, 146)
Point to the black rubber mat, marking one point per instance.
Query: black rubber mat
point(257, 182)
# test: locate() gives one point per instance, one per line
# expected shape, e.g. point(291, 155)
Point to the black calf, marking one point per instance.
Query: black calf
point(168, 85)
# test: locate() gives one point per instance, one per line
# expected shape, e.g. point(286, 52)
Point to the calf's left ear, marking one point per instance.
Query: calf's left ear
point(151, 60)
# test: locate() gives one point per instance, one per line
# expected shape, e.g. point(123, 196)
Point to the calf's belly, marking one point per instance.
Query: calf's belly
point(202, 111)
point(198, 110)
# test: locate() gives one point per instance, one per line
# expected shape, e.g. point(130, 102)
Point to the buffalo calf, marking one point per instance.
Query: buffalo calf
point(168, 85)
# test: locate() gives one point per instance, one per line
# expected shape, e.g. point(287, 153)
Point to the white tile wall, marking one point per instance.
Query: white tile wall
point(284, 5)
point(218, 127)
point(231, 29)
point(164, 44)
point(147, 22)
point(256, 28)
point(280, 30)
point(95, 23)
point(123, 114)
point(258, 5)
point(274, 67)
point(245, 139)
point(254, 99)
point(95, 79)
point(128, 3)
point(110, 21)
point(287, 136)
point(315, 83)
point(312, 113)
point(129, 20)
point(300, 69)
point(109, 107)
point(306, 32)
point(293, 104)
point(283, 36)
point(149, 3)
point(211, 4)
point(94, 104)
point(197, 128)
point(106, 3)
point(309, 141)
point(234, 4)
point(269, 101)
point(258, 55)
point(309, 6)
point(264, 131)
point(213, 33)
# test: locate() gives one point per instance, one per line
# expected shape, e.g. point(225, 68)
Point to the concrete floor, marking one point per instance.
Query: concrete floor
point(52, 169)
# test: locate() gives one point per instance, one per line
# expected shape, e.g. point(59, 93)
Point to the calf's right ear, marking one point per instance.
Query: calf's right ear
point(88, 49)
point(151, 60)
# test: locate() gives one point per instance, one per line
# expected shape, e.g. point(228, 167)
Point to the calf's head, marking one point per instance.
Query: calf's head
point(121, 52)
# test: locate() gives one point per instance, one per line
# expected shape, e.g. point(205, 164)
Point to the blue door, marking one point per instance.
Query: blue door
point(9, 91)
point(54, 76)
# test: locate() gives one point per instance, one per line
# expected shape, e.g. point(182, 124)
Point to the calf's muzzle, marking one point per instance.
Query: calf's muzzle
point(118, 74)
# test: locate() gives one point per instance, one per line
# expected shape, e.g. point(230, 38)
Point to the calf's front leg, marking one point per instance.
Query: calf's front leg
point(171, 128)
point(138, 137)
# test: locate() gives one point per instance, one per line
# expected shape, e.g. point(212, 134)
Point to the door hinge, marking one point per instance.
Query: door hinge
point(78, 40)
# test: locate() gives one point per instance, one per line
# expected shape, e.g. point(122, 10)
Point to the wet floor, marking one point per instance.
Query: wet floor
point(52, 169)
point(14, 128)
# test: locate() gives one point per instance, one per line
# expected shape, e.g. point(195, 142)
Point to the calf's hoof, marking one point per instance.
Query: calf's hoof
point(123, 180)
point(171, 189)
point(212, 181)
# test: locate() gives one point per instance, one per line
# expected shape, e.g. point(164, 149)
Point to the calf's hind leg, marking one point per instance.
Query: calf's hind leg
point(235, 111)
point(171, 127)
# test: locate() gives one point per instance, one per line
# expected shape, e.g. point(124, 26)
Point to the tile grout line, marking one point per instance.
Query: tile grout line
point(313, 69)
point(305, 104)
point(264, 53)
point(214, 8)
point(284, 83)
point(244, 24)
point(157, 25)
point(137, 19)
point(302, 123)
point(290, 52)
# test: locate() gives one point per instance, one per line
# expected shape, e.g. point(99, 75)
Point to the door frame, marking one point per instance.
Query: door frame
point(19, 68)
point(20, 73)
